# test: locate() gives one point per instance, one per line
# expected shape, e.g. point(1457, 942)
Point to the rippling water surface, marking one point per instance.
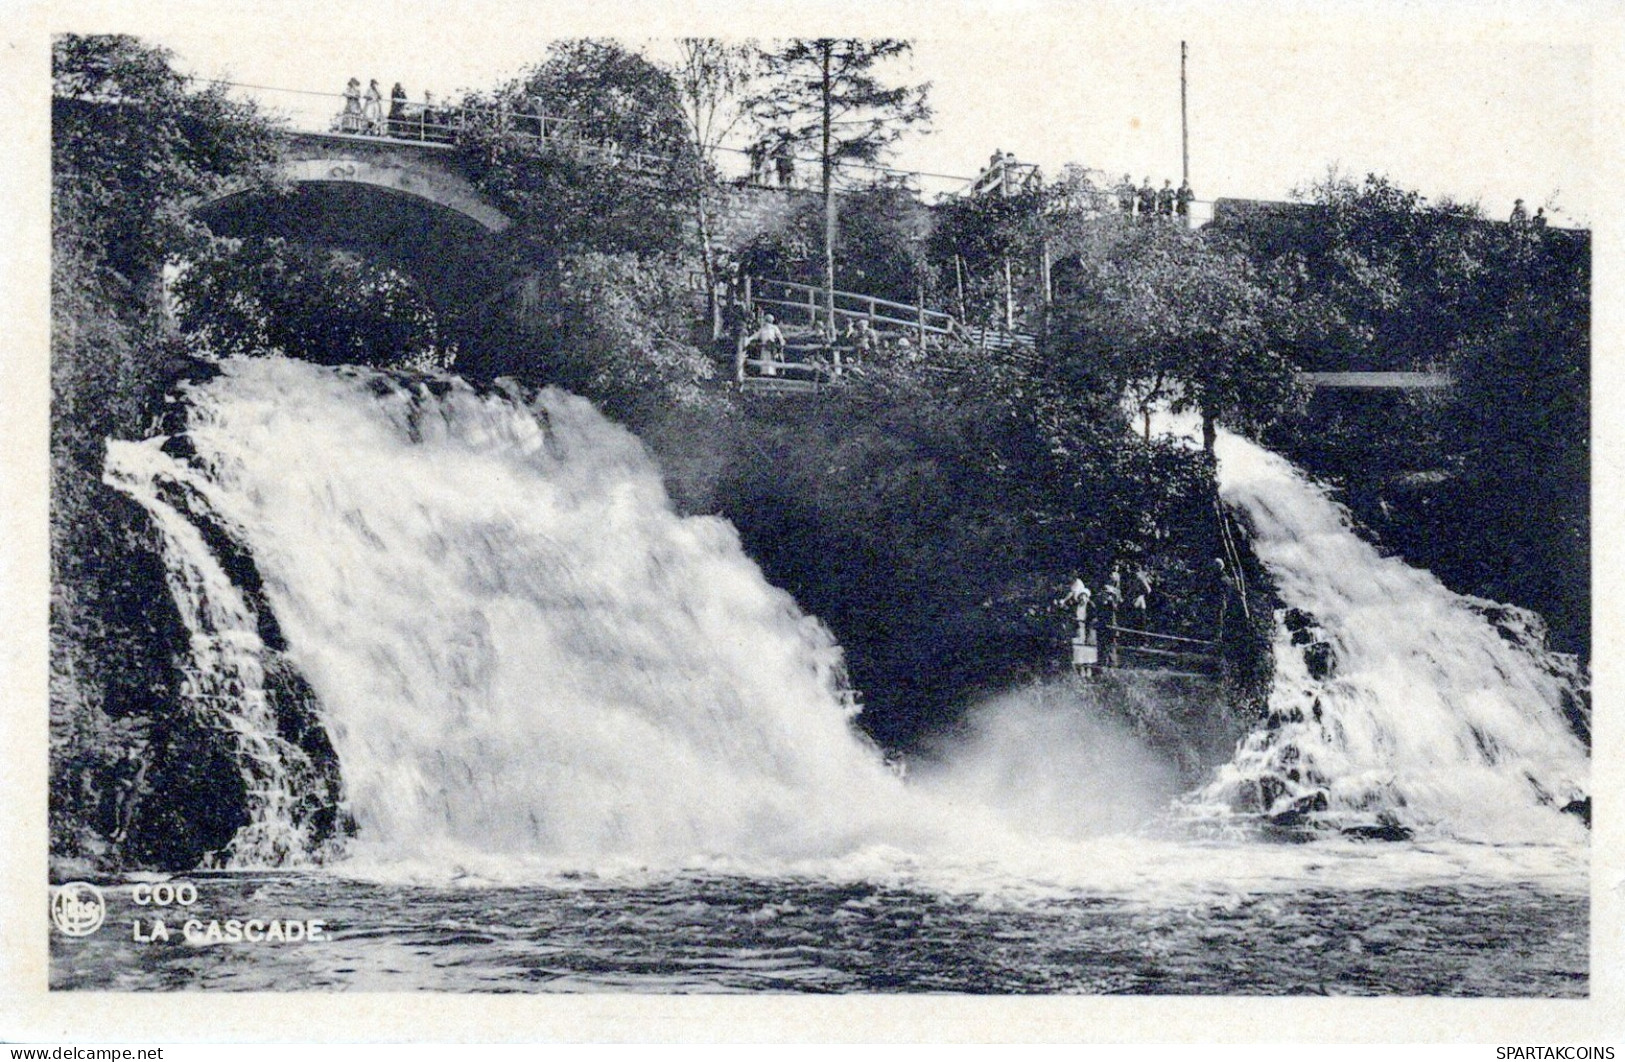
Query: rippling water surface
point(722, 932)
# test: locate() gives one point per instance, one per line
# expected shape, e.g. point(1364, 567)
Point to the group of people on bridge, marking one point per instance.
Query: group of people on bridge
point(1147, 203)
point(364, 114)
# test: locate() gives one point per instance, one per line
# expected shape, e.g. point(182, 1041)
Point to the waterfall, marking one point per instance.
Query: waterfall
point(225, 666)
point(517, 646)
point(1397, 705)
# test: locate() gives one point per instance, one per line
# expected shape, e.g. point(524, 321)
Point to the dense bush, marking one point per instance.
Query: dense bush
point(267, 296)
point(933, 522)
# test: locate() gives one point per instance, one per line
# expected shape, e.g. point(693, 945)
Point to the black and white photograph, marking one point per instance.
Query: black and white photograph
point(1044, 500)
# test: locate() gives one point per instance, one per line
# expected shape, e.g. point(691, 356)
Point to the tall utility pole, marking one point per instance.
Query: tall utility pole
point(1184, 123)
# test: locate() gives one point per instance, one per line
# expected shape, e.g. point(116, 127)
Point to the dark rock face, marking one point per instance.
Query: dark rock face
point(1580, 809)
point(148, 779)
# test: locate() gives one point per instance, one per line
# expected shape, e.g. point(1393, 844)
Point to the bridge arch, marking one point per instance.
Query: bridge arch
point(404, 205)
point(441, 187)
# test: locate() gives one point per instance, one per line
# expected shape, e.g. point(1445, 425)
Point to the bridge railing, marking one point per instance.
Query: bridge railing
point(430, 122)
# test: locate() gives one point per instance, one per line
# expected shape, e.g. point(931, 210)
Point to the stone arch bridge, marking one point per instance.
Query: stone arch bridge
point(401, 203)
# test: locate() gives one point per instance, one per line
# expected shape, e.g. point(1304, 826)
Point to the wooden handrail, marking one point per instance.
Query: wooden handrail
point(840, 311)
point(919, 316)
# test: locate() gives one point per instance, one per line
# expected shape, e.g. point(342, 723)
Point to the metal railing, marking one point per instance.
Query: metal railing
point(445, 124)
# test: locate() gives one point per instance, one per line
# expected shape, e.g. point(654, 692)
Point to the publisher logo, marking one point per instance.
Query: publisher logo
point(77, 909)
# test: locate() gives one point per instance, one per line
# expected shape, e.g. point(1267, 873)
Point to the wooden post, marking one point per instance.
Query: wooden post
point(1184, 124)
point(749, 306)
point(1049, 294)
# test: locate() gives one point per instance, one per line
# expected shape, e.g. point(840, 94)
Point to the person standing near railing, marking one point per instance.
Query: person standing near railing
point(372, 109)
point(350, 120)
point(1085, 652)
point(1111, 596)
point(397, 110)
point(769, 344)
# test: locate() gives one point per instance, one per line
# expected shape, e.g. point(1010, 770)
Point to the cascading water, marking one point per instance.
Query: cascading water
point(517, 645)
point(519, 649)
point(225, 680)
point(1397, 705)
point(583, 745)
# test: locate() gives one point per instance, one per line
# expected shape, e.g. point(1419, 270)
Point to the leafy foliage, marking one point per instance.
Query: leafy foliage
point(1171, 316)
point(261, 296)
point(571, 185)
point(133, 143)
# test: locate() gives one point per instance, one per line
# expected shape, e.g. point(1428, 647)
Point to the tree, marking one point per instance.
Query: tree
point(824, 92)
point(710, 76)
point(1172, 316)
point(612, 170)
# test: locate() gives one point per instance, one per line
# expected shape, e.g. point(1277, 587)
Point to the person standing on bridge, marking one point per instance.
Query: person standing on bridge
point(1165, 201)
point(372, 109)
point(1182, 202)
point(397, 110)
point(350, 120)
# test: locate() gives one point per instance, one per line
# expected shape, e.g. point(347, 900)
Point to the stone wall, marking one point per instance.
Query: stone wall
point(756, 210)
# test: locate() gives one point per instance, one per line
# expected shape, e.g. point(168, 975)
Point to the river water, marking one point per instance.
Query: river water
point(1341, 920)
point(585, 746)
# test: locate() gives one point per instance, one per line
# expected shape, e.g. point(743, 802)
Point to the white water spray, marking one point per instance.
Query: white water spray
point(1429, 717)
point(224, 670)
point(518, 646)
point(520, 650)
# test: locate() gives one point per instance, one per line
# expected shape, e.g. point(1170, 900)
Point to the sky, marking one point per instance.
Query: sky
point(1482, 102)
